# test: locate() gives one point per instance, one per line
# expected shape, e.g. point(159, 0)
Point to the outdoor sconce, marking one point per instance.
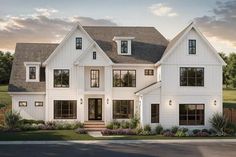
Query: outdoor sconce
point(107, 101)
point(81, 101)
point(170, 102)
point(215, 102)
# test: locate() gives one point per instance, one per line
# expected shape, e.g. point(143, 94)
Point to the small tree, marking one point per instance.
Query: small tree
point(219, 123)
point(12, 119)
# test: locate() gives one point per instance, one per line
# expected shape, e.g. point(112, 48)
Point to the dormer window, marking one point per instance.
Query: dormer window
point(94, 55)
point(124, 46)
point(192, 46)
point(32, 71)
point(78, 43)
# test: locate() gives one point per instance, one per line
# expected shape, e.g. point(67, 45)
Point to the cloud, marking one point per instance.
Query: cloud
point(221, 25)
point(162, 10)
point(40, 27)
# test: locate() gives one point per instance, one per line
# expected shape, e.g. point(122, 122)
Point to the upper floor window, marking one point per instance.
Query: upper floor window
point(32, 73)
point(94, 79)
point(94, 55)
point(191, 76)
point(124, 46)
point(124, 78)
point(192, 46)
point(78, 43)
point(61, 78)
point(149, 72)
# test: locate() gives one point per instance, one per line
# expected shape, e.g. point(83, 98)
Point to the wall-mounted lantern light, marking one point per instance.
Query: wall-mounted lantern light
point(215, 102)
point(107, 101)
point(81, 101)
point(170, 102)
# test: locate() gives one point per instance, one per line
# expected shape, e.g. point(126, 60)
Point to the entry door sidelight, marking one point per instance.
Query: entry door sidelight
point(95, 109)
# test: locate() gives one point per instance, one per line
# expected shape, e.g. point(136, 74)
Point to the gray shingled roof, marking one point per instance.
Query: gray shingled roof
point(28, 52)
point(147, 48)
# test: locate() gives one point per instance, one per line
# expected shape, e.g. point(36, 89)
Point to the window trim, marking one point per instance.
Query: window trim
point(91, 79)
point(194, 115)
point(149, 72)
point(41, 102)
point(22, 105)
point(131, 111)
point(75, 116)
point(194, 77)
point(120, 77)
point(127, 47)
point(191, 48)
point(158, 113)
point(80, 44)
point(32, 64)
point(61, 80)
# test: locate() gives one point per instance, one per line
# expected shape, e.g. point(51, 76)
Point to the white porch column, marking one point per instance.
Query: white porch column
point(80, 90)
point(141, 110)
point(108, 93)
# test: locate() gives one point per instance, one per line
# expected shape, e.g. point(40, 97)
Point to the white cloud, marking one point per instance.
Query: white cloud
point(162, 10)
point(46, 12)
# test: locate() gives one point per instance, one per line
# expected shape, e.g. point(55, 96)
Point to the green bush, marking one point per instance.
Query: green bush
point(138, 130)
point(158, 129)
point(230, 129)
point(219, 123)
point(77, 124)
point(147, 128)
point(195, 131)
point(124, 124)
point(31, 121)
point(180, 133)
point(12, 119)
point(114, 125)
point(134, 122)
point(174, 129)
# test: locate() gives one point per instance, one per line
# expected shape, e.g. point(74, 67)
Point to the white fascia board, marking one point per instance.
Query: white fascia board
point(134, 65)
point(122, 38)
point(32, 63)
point(26, 93)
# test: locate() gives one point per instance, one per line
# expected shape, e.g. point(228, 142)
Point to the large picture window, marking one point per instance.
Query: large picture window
point(191, 114)
point(124, 46)
point(61, 78)
point(191, 76)
point(94, 78)
point(123, 109)
point(192, 46)
point(32, 73)
point(154, 113)
point(65, 109)
point(124, 78)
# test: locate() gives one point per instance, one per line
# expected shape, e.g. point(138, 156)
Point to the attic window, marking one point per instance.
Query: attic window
point(78, 43)
point(192, 46)
point(32, 73)
point(124, 46)
point(94, 55)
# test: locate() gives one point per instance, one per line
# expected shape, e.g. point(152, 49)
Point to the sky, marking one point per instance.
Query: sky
point(50, 20)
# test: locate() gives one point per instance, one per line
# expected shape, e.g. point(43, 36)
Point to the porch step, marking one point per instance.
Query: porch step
point(94, 125)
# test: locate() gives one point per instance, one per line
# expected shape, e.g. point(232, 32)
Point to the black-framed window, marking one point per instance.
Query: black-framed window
point(149, 72)
point(192, 46)
point(22, 103)
point(124, 78)
point(124, 46)
point(191, 76)
point(38, 103)
point(32, 73)
point(78, 43)
point(154, 113)
point(191, 114)
point(123, 109)
point(65, 109)
point(94, 78)
point(61, 78)
point(94, 55)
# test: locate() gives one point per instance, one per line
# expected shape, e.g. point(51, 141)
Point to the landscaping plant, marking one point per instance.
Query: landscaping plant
point(12, 119)
point(219, 123)
point(158, 129)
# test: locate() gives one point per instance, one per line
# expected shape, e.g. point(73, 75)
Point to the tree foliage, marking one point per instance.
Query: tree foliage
point(6, 60)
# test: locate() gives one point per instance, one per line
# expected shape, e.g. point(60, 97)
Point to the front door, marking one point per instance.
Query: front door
point(95, 109)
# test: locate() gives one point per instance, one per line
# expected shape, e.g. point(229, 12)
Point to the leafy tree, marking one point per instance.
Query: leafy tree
point(231, 69)
point(225, 73)
point(6, 60)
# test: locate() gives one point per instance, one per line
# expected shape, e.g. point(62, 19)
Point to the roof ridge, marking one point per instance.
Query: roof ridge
point(36, 43)
point(123, 26)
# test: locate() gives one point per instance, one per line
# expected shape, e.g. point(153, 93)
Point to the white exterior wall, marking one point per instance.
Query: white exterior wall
point(31, 111)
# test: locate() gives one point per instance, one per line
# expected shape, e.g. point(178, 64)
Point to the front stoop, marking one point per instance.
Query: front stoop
point(94, 125)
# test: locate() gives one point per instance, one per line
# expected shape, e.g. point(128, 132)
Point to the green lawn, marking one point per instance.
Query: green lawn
point(4, 96)
point(43, 135)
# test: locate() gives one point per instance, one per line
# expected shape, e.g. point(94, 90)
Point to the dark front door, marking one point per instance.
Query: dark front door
point(95, 109)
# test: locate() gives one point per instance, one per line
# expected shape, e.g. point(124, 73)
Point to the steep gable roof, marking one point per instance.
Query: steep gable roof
point(147, 47)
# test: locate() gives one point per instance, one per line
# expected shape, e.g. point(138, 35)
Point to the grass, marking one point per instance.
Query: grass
point(43, 135)
point(229, 97)
point(5, 98)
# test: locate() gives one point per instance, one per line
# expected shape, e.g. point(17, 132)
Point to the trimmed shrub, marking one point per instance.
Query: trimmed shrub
point(174, 129)
point(147, 128)
point(124, 124)
point(134, 122)
point(201, 134)
point(80, 131)
point(138, 130)
point(12, 119)
point(158, 129)
point(195, 131)
point(219, 123)
point(168, 134)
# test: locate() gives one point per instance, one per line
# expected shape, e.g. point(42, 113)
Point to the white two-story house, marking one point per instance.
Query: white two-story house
point(105, 73)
